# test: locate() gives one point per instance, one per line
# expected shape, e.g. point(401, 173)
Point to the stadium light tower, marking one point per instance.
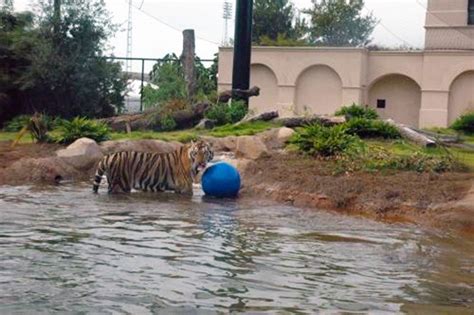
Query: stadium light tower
point(227, 15)
point(128, 63)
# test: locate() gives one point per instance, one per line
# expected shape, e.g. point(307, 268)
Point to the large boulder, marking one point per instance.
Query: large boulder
point(109, 147)
point(82, 154)
point(251, 147)
point(50, 170)
point(276, 138)
point(227, 144)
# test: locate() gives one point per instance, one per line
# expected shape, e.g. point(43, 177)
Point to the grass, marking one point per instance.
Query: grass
point(404, 148)
point(10, 136)
point(184, 136)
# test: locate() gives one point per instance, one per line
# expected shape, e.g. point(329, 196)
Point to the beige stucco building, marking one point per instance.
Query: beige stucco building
point(419, 88)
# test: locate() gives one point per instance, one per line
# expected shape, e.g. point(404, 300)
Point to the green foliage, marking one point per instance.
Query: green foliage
point(168, 75)
point(465, 123)
point(17, 123)
point(244, 129)
point(79, 127)
point(59, 68)
point(281, 41)
point(276, 23)
point(377, 158)
point(339, 23)
point(227, 114)
point(323, 141)
point(357, 111)
point(371, 128)
point(167, 123)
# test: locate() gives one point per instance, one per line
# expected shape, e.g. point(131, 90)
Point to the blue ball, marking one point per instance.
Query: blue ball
point(221, 180)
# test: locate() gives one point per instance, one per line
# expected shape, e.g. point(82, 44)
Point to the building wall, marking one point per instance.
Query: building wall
point(447, 25)
point(426, 88)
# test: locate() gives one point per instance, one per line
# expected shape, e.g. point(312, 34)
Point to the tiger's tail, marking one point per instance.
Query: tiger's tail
point(98, 175)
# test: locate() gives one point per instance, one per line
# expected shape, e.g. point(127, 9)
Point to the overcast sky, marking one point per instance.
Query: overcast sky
point(401, 24)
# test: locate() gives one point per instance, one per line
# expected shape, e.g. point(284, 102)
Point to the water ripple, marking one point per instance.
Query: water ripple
point(66, 250)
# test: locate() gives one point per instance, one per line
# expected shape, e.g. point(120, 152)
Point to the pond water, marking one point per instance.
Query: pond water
point(67, 250)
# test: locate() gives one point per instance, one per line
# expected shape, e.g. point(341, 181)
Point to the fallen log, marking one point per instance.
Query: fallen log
point(300, 121)
point(412, 135)
point(267, 116)
point(225, 96)
point(151, 119)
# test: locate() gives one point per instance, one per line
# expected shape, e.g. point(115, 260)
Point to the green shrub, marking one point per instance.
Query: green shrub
point(17, 123)
point(371, 128)
point(70, 131)
point(326, 141)
point(357, 111)
point(377, 158)
point(465, 123)
point(224, 114)
point(167, 123)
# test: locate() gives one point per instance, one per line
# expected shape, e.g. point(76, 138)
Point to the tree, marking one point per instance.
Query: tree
point(274, 19)
point(168, 75)
point(56, 63)
point(339, 23)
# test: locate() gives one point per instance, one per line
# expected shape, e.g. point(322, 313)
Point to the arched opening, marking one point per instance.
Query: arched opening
point(461, 96)
point(318, 91)
point(263, 77)
point(397, 97)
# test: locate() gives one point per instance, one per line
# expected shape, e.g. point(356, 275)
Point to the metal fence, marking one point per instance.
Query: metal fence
point(134, 104)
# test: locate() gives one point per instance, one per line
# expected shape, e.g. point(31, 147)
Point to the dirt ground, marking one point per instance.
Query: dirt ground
point(394, 196)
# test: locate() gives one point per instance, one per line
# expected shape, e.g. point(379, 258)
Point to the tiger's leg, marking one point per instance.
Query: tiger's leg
point(186, 189)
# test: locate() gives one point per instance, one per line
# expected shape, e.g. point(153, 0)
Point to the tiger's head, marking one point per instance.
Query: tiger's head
point(200, 153)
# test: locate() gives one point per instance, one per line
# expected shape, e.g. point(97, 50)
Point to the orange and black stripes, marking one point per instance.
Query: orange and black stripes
point(153, 171)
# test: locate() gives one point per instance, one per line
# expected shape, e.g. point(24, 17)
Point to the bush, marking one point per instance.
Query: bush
point(326, 141)
point(167, 123)
point(17, 123)
point(224, 114)
point(79, 127)
point(357, 111)
point(465, 123)
point(370, 128)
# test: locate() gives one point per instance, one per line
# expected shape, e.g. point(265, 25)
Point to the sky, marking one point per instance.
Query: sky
point(157, 25)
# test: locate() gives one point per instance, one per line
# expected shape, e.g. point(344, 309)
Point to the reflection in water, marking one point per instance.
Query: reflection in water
point(67, 250)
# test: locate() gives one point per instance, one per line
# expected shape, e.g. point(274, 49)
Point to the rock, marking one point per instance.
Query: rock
point(227, 144)
point(109, 147)
point(276, 138)
point(251, 147)
point(284, 134)
point(49, 170)
point(82, 154)
point(205, 124)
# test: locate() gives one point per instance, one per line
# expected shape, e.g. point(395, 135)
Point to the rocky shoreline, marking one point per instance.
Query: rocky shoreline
point(444, 200)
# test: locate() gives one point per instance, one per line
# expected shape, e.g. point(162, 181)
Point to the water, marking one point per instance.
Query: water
point(66, 250)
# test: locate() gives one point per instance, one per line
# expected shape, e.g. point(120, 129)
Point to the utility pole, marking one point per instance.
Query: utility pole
point(242, 45)
point(188, 61)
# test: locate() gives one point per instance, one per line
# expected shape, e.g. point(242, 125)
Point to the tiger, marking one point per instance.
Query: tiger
point(174, 171)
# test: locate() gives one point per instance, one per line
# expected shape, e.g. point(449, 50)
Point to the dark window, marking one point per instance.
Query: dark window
point(470, 12)
point(381, 103)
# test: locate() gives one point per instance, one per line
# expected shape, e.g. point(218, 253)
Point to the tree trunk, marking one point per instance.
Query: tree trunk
point(188, 62)
point(293, 122)
point(412, 135)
